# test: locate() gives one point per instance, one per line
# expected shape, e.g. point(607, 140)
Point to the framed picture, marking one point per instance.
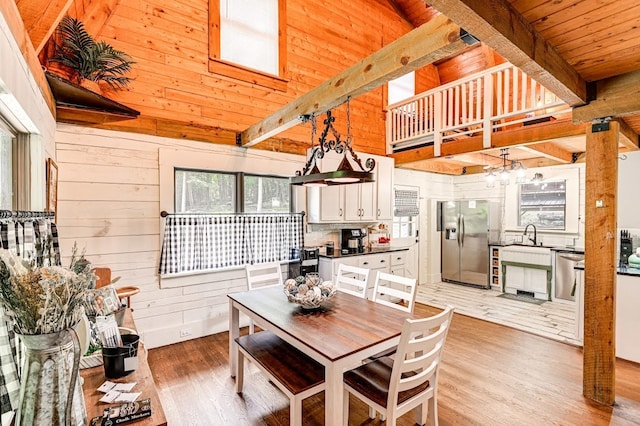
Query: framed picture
point(52, 187)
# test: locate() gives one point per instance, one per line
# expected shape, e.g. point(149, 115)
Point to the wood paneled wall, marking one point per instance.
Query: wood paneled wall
point(178, 97)
point(109, 201)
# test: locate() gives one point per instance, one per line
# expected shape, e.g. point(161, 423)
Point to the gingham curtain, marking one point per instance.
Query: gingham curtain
point(35, 240)
point(194, 243)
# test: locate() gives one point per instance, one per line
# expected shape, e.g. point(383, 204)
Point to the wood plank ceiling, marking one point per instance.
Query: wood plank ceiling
point(570, 43)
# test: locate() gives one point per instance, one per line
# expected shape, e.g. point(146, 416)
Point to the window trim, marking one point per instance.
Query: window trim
point(539, 225)
point(228, 69)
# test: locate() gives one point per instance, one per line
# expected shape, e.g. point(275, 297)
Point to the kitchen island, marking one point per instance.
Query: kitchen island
point(627, 300)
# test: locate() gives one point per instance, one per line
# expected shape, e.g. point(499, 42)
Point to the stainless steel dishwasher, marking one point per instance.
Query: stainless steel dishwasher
point(565, 274)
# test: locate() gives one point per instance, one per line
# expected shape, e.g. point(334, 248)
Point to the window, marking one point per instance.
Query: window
point(405, 212)
point(7, 138)
point(265, 194)
point(200, 191)
point(543, 205)
point(247, 40)
point(401, 88)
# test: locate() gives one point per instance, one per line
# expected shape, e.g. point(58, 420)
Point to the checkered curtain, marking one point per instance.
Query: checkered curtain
point(406, 203)
point(194, 243)
point(35, 240)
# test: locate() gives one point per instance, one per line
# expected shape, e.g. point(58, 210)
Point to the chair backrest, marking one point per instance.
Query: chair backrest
point(103, 276)
point(418, 356)
point(389, 288)
point(260, 275)
point(352, 280)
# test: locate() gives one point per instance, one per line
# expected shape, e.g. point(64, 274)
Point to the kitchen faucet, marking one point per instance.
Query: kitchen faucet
point(535, 233)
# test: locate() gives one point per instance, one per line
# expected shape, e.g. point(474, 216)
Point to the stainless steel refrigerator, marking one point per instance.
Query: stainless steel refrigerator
point(467, 228)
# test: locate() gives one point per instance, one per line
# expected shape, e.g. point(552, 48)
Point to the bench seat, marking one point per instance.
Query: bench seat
point(294, 373)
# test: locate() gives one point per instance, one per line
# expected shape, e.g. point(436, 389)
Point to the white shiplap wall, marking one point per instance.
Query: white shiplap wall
point(109, 204)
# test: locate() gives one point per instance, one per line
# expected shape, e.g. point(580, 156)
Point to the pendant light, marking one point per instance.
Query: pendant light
point(345, 173)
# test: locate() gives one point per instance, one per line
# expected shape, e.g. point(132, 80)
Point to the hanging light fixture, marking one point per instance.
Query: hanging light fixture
point(537, 179)
point(504, 172)
point(345, 173)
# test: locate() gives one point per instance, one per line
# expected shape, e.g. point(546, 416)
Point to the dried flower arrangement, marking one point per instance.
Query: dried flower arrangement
point(46, 299)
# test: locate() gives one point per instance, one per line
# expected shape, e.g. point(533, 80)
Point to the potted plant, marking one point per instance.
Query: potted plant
point(87, 59)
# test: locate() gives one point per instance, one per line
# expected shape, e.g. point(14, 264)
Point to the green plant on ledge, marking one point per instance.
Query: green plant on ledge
point(88, 59)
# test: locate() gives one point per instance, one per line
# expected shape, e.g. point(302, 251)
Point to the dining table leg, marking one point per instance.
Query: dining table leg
point(333, 395)
point(234, 333)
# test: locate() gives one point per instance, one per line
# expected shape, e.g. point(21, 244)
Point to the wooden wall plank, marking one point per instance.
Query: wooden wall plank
point(600, 265)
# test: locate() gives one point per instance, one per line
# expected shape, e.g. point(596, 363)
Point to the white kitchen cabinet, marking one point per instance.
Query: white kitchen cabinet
point(627, 314)
point(360, 202)
point(375, 262)
point(384, 193)
point(527, 269)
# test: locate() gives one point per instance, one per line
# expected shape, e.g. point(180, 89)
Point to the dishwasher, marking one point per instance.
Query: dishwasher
point(565, 274)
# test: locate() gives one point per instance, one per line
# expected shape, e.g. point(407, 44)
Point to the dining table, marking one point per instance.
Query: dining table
point(340, 334)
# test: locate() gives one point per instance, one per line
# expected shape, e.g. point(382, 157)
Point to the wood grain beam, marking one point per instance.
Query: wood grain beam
point(550, 150)
point(11, 14)
point(502, 28)
point(617, 96)
point(435, 166)
point(528, 163)
point(41, 19)
point(435, 40)
point(629, 139)
point(517, 137)
point(601, 177)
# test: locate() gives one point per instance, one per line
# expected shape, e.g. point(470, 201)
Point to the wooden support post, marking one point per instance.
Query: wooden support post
point(600, 262)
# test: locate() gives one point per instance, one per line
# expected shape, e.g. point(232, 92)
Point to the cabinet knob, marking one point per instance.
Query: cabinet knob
point(340, 212)
point(378, 212)
point(365, 263)
point(382, 261)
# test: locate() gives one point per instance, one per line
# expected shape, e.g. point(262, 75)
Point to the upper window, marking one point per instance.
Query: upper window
point(247, 40)
point(401, 88)
point(543, 205)
point(199, 191)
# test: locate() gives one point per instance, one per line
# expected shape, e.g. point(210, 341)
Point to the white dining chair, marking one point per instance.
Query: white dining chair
point(390, 289)
point(352, 280)
point(261, 275)
point(410, 380)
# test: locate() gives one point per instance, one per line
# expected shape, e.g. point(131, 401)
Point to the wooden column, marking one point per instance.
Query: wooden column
point(600, 263)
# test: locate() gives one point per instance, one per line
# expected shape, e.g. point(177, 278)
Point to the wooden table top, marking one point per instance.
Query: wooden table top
point(94, 377)
point(345, 324)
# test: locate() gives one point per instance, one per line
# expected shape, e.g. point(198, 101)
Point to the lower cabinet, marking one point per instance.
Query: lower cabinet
point(389, 262)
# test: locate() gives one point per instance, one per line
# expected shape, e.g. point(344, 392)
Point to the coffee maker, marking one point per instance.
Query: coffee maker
point(352, 240)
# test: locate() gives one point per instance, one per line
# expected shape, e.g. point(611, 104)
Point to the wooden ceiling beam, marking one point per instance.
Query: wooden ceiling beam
point(41, 19)
point(435, 40)
point(497, 24)
point(551, 151)
point(628, 137)
point(523, 136)
point(529, 164)
point(617, 96)
point(436, 165)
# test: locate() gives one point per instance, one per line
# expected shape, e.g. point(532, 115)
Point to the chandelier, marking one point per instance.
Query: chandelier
point(503, 173)
point(345, 173)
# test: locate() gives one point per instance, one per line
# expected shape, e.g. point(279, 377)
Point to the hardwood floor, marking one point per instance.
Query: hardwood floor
point(491, 375)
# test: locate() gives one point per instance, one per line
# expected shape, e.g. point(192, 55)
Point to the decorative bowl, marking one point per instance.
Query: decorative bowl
point(308, 291)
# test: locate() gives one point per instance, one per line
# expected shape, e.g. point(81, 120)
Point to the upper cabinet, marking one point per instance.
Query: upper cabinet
point(362, 202)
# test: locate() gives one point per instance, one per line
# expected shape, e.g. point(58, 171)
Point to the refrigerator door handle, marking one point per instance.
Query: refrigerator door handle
point(462, 230)
point(458, 230)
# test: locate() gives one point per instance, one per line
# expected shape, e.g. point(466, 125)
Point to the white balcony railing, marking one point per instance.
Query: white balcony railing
point(476, 105)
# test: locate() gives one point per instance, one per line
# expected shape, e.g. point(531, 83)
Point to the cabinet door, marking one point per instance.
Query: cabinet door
point(352, 202)
point(331, 204)
point(384, 186)
point(368, 201)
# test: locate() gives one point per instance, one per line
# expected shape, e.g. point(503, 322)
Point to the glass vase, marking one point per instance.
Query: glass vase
point(50, 379)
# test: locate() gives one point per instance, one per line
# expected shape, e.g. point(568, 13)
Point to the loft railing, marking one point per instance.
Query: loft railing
point(479, 104)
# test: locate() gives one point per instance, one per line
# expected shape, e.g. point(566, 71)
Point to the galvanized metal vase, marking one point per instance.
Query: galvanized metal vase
point(50, 388)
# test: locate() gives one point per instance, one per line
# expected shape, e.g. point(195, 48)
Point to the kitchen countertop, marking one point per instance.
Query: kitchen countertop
point(622, 270)
point(338, 255)
point(568, 249)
